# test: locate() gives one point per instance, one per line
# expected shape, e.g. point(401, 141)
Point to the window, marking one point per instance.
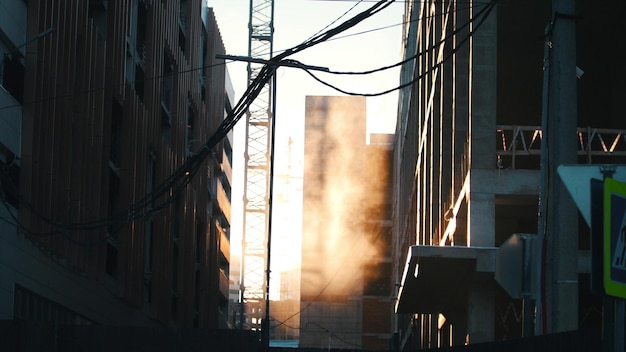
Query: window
point(140, 79)
point(182, 25)
point(167, 98)
point(136, 47)
point(12, 78)
point(189, 131)
point(151, 177)
point(228, 150)
point(175, 282)
point(117, 112)
point(225, 185)
point(28, 305)
point(199, 254)
point(176, 223)
point(167, 89)
point(196, 300)
point(203, 53)
point(9, 176)
point(114, 205)
point(199, 242)
point(142, 23)
point(98, 12)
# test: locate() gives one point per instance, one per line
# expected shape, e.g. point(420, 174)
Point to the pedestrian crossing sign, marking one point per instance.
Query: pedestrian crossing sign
point(615, 238)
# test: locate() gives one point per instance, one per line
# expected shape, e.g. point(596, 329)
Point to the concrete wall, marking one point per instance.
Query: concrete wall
point(24, 263)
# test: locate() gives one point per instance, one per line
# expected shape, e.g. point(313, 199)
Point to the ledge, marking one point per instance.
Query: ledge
point(436, 278)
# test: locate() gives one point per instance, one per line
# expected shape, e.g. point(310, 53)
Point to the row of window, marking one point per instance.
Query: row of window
point(27, 305)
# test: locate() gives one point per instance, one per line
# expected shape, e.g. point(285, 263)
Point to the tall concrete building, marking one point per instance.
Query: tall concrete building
point(103, 104)
point(467, 160)
point(345, 296)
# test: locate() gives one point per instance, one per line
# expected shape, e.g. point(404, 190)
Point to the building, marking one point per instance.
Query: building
point(114, 98)
point(234, 295)
point(345, 295)
point(286, 240)
point(377, 286)
point(468, 155)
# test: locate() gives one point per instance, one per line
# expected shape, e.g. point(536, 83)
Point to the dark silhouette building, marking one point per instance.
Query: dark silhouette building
point(468, 156)
point(117, 97)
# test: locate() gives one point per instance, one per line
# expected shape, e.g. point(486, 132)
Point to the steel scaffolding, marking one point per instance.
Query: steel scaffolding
point(256, 195)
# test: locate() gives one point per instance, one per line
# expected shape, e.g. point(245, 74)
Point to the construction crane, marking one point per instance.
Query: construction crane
point(257, 175)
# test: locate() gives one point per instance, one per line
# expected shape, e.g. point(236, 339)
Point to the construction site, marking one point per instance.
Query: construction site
point(483, 223)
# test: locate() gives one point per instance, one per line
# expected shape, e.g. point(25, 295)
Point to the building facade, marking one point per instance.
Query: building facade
point(109, 226)
point(345, 296)
point(467, 163)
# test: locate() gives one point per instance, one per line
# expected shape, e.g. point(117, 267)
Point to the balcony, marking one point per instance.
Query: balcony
point(224, 243)
point(223, 201)
point(227, 168)
point(211, 183)
point(437, 276)
point(10, 122)
point(224, 288)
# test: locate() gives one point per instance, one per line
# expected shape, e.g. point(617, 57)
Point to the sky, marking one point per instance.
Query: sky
point(374, 43)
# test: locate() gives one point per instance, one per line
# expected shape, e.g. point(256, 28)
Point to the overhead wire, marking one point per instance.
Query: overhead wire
point(395, 25)
point(171, 188)
point(337, 19)
point(325, 330)
point(173, 185)
point(403, 85)
point(180, 178)
point(100, 89)
point(14, 221)
point(229, 61)
point(485, 14)
point(432, 47)
point(309, 303)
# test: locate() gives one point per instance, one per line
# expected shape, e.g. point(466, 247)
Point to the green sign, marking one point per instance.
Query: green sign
point(615, 238)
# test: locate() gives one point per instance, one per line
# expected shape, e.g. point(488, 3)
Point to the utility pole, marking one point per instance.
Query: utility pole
point(559, 304)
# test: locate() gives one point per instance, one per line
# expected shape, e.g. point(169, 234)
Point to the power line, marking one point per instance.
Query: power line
point(293, 63)
point(325, 330)
point(338, 18)
point(172, 186)
point(487, 11)
point(99, 89)
point(283, 53)
point(406, 84)
point(339, 268)
point(434, 46)
point(397, 24)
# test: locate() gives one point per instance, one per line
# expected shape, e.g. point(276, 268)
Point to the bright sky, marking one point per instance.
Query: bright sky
point(374, 43)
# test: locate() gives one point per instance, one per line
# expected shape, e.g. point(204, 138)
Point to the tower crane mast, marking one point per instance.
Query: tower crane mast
point(257, 173)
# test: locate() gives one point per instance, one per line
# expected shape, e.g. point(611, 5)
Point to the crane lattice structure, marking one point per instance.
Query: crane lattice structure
point(257, 168)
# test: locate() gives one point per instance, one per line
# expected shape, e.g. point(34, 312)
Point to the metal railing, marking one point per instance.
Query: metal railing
point(526, 140)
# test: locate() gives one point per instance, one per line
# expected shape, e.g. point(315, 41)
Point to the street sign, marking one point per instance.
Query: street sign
point(615, 238)
point(576, 180)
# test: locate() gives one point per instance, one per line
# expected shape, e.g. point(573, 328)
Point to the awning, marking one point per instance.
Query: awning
point(436, 278)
